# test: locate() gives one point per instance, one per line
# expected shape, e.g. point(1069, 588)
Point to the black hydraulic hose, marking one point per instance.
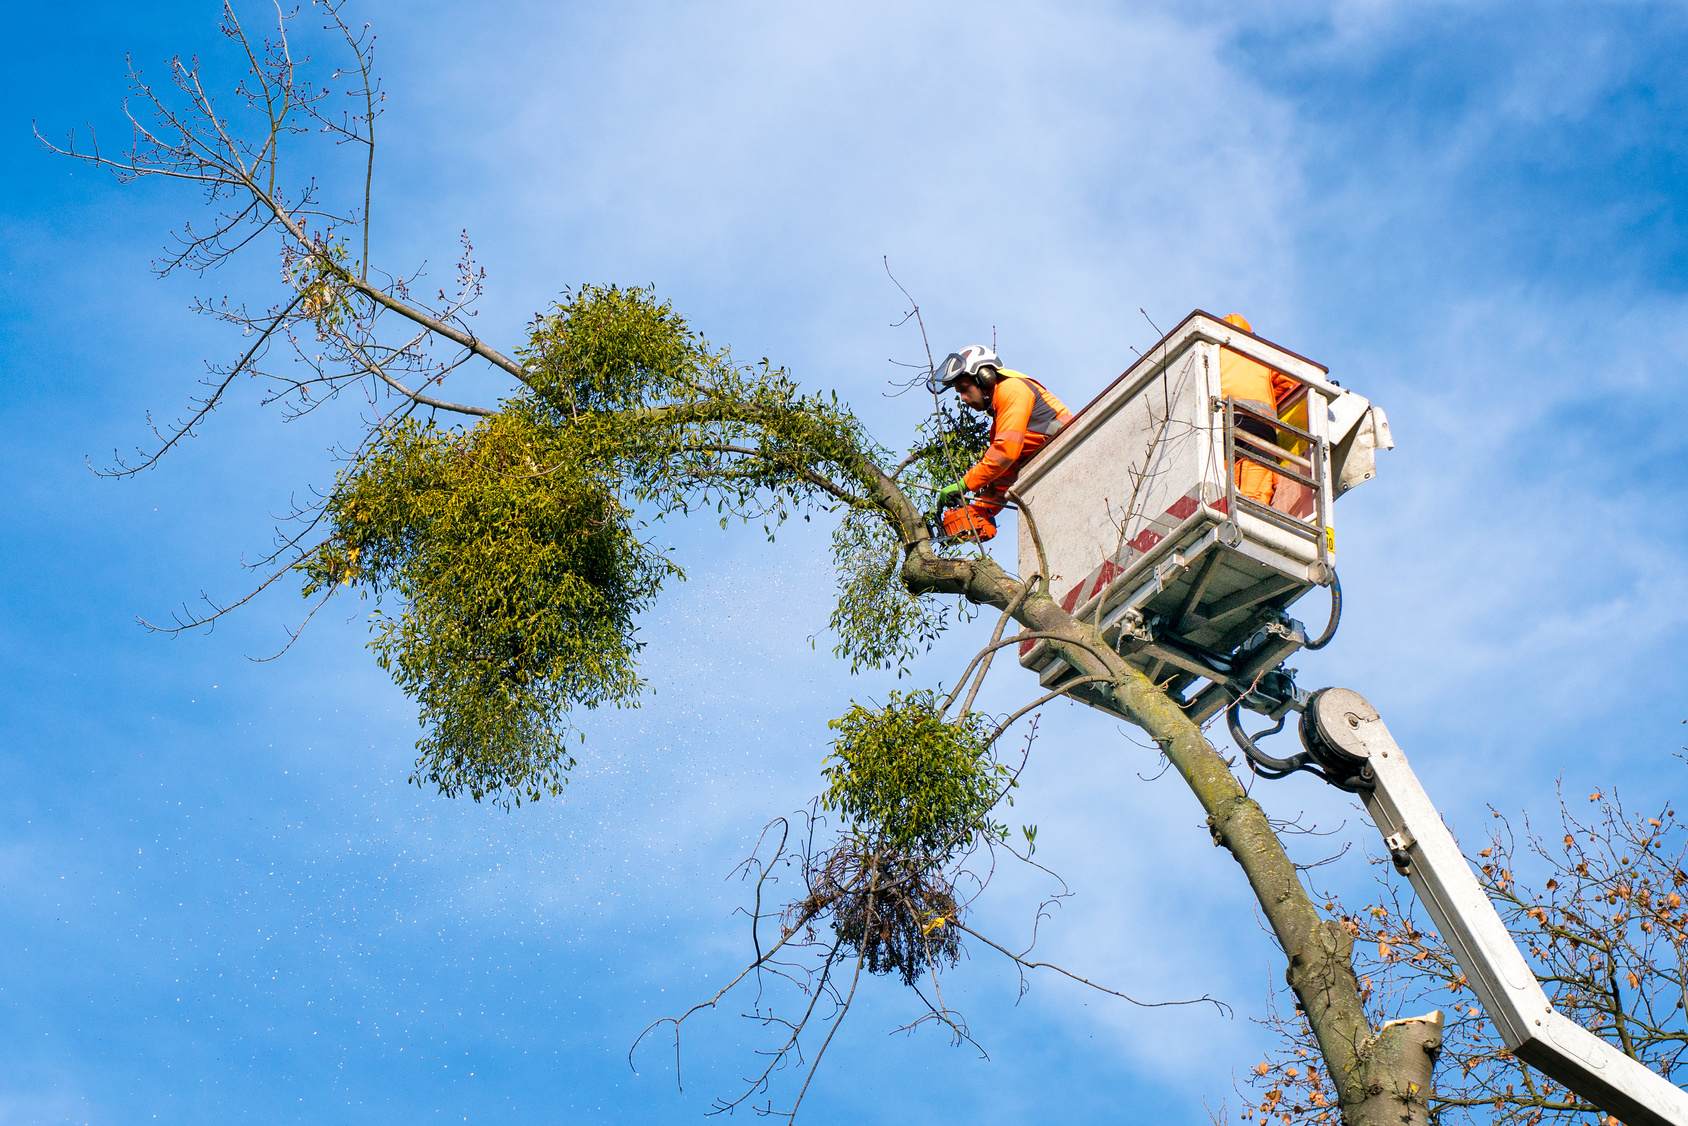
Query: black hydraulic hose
point(1260, 761)
point(1335, 614)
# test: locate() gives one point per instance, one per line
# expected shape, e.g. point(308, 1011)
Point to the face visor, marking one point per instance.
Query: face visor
point(943, 377)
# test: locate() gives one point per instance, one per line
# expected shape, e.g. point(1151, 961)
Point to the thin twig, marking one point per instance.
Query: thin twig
point(1037, 540)
point(1044, 699)
point(1021, 962)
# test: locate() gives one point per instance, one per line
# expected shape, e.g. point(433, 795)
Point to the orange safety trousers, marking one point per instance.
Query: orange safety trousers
point(1256, 482)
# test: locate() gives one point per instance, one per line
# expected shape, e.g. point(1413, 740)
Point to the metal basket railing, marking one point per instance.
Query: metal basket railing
point(1240, 445)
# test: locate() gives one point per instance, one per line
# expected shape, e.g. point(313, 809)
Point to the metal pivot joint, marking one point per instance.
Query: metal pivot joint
point(1325, 720)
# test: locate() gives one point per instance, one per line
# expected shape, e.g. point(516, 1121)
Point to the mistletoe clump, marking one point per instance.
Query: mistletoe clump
point(905, 777)
point(514, 548)
point(518, 573)
point(916, 791)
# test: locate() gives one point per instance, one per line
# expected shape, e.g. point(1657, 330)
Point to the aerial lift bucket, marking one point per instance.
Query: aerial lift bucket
point(1136, 521)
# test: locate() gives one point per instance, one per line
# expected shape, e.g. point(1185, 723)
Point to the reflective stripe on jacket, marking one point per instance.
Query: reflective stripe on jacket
point(1024, 416)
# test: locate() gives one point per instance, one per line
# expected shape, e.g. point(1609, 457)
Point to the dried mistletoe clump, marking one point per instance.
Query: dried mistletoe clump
point(897, 912)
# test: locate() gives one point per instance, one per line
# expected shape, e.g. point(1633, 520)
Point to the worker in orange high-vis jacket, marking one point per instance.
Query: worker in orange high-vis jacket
point(1253, 384)
point(1024, 416)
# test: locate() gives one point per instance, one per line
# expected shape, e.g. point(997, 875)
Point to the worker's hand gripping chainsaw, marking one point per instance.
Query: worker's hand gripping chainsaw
point(950, 496)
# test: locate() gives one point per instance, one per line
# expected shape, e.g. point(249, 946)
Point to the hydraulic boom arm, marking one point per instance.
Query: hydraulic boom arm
point(1343, 732)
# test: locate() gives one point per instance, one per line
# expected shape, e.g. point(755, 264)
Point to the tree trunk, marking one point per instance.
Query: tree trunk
point(1380, 1079)
point(1396, 1072)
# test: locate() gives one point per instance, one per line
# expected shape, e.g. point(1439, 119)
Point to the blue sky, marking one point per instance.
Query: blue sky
point(222, 901)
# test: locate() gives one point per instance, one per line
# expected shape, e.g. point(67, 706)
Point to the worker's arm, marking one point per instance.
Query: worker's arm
point(1013, 400)
point(1283, 387)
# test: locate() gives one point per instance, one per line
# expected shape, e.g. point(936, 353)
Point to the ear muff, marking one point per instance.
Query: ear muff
point(986, 377)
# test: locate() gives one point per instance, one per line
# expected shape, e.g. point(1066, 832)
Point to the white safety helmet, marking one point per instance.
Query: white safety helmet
point(975, 360)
